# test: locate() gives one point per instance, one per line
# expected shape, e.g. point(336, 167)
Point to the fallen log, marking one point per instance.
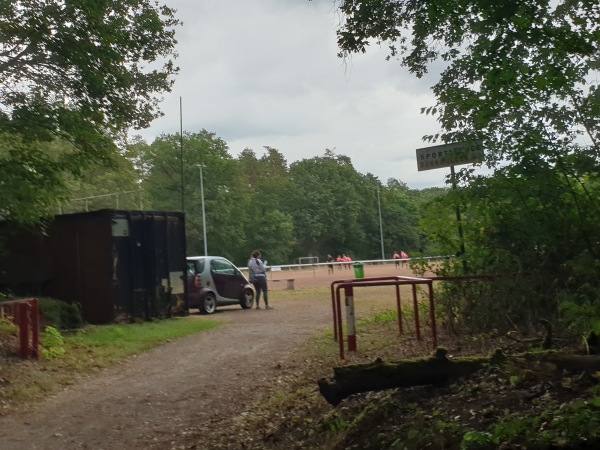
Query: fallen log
point(439, 370)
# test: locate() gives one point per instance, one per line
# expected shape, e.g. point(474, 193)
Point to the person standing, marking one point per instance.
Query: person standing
point(396, 259)
point(329, 264)
point(258, 275)
point(404, 257)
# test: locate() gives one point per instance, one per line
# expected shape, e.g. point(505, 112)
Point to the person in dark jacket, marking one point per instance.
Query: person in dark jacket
point(258, 276)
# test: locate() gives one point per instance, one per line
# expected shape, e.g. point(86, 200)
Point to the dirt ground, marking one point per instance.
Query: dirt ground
point(178, 393)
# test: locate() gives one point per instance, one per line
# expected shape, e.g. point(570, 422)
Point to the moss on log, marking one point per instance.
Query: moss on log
point(439, 370)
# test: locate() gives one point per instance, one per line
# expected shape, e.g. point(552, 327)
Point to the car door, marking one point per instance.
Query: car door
point(226, 278)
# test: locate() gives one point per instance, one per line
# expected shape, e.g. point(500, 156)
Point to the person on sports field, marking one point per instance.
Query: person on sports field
point(397, 259)
point(404, 257)
point(329, 264)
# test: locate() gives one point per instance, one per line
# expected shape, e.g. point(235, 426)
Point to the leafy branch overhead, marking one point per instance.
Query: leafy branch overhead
point(86, 58)
point(517, 72)
point(81, 72)
point(522, 76)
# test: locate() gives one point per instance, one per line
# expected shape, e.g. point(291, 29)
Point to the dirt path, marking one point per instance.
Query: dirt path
point(182, 390)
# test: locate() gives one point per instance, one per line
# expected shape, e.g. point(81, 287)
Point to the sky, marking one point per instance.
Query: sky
point(266, 73)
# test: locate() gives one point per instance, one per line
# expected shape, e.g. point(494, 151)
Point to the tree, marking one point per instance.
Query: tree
point(516, 71)
point(401, 218)
point(224, 192)
point(521, 76)
point(269, 224)
point(117, 186)
point(31, 177)
point(326, 205)
point(77, 72)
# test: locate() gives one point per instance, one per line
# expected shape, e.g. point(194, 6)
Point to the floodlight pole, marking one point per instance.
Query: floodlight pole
point(203, 211)
point(380, 225)
point(181, 153)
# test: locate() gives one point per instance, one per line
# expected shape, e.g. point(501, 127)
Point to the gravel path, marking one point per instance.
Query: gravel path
point(178, 393)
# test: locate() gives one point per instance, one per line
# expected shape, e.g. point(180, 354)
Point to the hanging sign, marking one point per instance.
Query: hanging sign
point(447, 155)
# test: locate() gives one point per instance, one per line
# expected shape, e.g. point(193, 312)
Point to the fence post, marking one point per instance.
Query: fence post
point(399, 305)
point(416, 307)
point(35, 328)
point(350, 319)
point(24, 328)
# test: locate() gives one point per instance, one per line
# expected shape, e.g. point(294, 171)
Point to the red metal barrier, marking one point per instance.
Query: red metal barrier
point(352, 280)
point(397, 281)
point(25, 315)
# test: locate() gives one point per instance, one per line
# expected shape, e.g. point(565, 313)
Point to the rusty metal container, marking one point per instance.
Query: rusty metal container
point(116, 264)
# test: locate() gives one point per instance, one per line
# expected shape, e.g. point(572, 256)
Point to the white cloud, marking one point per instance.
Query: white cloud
point(266, 73)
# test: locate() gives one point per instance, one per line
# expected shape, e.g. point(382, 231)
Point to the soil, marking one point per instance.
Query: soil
point(179, 395)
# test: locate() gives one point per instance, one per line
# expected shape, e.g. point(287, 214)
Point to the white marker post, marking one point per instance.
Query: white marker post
point(350, 319)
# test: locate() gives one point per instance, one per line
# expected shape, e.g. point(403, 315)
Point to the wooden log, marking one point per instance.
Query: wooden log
point(439, 370)
point(435, 370)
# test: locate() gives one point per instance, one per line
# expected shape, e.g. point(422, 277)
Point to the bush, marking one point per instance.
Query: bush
point(59, 314)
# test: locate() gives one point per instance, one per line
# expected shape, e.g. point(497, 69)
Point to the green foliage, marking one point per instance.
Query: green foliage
point(333, 423)
point(74, 77)
point(52, 343)
point(574, 423)
point(528, 220)
point(8, 335)
point(521, 77)
point(43, 165)
point(59, 314)
point(313, 207)
point(6, 326)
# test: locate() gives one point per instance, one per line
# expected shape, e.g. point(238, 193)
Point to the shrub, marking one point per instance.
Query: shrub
point(59, 314)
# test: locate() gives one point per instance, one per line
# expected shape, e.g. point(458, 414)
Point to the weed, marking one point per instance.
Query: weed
point(52, 343)
point(8, 336)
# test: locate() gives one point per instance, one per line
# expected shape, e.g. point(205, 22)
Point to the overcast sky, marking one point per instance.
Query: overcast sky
point(266, 73)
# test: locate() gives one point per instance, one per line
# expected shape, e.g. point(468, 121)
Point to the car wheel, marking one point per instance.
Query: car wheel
point(247, 299)
point(208, 304)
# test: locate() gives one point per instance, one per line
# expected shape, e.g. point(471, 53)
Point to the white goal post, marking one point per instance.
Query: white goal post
point(308, 259)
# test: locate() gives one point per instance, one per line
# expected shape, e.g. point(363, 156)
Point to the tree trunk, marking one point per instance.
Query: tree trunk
point(439, 370)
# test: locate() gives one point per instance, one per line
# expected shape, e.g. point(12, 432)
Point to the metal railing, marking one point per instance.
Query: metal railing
point(350, 284)
point(396, 281)
point(25, 315)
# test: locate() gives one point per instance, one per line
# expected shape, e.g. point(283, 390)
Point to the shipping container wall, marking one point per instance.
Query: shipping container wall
point(150, 254)
point(81, 263)
point(115, 264)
